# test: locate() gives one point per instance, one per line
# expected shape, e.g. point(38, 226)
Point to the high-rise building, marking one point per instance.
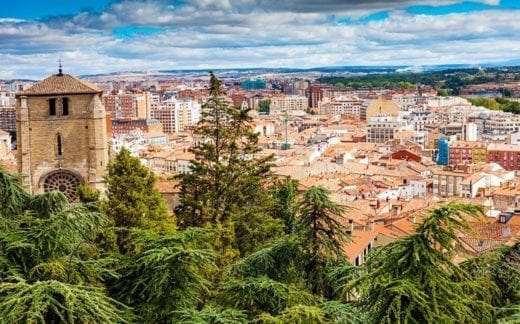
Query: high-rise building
point(176, 115)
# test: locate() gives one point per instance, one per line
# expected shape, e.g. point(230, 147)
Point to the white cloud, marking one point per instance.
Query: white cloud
point(212, 34)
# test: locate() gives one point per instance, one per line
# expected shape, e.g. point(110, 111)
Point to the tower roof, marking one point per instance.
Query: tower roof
point(60, 84)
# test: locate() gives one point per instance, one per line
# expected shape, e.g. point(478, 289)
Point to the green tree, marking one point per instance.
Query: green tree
point(298, 263)
point(50, 267)
point(284, 194)
point(443, 92)
point(210, 315)
point(132, 199)
point(413, 280)
point(323, 235)
point(168, 274)
point(226, 185)
point(501, 268)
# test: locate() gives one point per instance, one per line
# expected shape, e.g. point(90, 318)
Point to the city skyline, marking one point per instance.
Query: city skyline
point(110, 36)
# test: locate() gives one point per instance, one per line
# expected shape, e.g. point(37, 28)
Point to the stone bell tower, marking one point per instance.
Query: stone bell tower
point(61, 135)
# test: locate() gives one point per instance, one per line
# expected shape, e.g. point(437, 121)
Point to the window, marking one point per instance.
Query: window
point(52, 107)
point(59, 145)
point(65, 103)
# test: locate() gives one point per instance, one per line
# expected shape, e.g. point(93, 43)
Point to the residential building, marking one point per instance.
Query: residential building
point(381, 129)
point(128, 126)
point(466, 152)
point(8, 119)
point(176, 115)
point(506, 155)
point(447, 183)
point(283, 103)
point(342, 106)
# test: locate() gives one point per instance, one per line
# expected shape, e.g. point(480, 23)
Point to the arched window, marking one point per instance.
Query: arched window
point(52, 107)
point(65, 106)
point(59, 145)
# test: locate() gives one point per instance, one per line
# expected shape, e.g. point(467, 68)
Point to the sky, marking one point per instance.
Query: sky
point(102, 36)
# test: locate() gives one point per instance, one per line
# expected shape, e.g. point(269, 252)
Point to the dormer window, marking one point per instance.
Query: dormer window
point(65, 106)
point(52, 107)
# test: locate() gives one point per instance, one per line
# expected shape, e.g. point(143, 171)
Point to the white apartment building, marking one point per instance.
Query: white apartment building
point(421, 119)
point(342, 105)
point(288, 103)
point(447, 184)
point(381, 129)
point(408, 102)
point(175, 115)
point(503, 123)
point(438, 102)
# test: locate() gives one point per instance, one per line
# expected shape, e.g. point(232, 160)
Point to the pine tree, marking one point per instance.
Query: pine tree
point(323, 234)
point(413, 280)
point(227, 173)
point(226, 187)
point(284, 204)
point(132, 199)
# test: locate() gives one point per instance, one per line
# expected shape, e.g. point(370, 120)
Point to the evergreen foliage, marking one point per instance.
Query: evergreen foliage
point(322, 234)
point(51, 270)
point(227, 174)
point(52, 301)
point(132, 199)
point(167, 275)
point(500, 268)
point(284, 194)
point(413, 280)
point(226, 188)
point(210, 315)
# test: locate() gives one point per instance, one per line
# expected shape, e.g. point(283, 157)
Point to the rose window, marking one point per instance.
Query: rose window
point(63, 181)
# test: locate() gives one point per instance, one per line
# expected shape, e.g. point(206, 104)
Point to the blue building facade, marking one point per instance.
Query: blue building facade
point(443, 157)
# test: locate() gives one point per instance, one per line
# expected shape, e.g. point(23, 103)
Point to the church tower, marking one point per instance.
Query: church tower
point(61, 135)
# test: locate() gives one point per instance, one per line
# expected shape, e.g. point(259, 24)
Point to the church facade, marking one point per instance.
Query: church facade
point(61, 135)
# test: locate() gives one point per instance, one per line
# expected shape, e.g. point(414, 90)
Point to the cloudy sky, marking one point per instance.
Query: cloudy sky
point(100, 36)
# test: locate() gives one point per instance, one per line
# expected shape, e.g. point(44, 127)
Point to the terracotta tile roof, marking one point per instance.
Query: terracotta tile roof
point(60, 85)
point(360, 241)
point(496, 231)
point(388, 232)
point(480, 245)
point(515, 220)
point(403, 225)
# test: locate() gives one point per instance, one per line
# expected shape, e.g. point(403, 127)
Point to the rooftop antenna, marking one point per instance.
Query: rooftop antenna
point(60, 70)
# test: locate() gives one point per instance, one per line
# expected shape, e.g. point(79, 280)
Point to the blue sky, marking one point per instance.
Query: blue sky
point(100, 36)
